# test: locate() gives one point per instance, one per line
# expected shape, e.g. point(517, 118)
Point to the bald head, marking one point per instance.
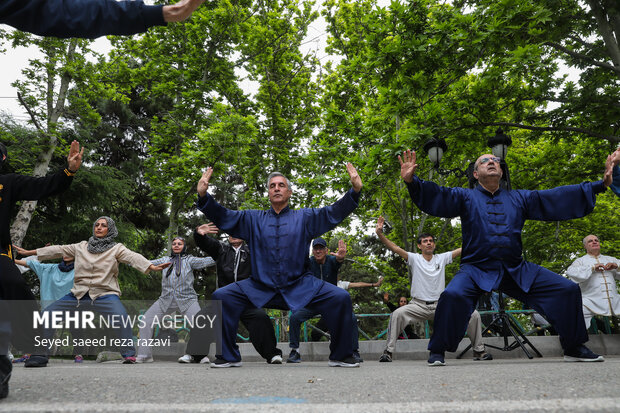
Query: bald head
point(592, 245)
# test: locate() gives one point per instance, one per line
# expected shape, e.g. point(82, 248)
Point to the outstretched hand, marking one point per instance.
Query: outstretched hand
point(342, 251)
point(160, 266)
point(209, 228)
point(356, 181)
point(180, 11)
point(407, 165)
point(74, 160)
point(203, 183)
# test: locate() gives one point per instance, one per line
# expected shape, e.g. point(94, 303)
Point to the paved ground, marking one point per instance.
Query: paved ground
point(547, 384)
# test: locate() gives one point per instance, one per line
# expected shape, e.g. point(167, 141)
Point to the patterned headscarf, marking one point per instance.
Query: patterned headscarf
point(176, 259)
point(99, 245)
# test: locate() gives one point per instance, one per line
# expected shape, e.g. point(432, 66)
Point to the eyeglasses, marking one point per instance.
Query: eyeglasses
point(493, 158)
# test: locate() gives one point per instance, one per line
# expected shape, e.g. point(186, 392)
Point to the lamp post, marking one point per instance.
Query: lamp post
point(499, 146)
point(435, 149)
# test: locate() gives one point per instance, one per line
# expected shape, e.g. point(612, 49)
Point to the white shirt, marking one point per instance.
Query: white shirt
point(428, 278)
point(598, 289)
point(343, 284)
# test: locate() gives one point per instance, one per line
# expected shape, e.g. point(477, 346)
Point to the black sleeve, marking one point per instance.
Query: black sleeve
point(391, 306)
point(28, 188)
point(210, 246)
point(80, 18)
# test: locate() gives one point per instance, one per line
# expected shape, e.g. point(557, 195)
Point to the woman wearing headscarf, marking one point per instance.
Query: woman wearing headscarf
point(95, 285)
point(177, 292)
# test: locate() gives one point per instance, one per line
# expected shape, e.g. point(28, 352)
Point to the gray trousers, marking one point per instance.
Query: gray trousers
point(156, 312)
point(419, 311)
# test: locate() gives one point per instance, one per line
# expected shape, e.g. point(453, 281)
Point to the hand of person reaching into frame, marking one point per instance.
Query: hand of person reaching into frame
point(180, 11)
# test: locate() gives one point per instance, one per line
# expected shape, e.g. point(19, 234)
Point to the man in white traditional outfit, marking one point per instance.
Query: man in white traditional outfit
point(596, 275)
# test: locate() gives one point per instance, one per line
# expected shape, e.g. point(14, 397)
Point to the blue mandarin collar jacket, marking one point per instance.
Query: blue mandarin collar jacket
point(279, 245)
point(491, 224)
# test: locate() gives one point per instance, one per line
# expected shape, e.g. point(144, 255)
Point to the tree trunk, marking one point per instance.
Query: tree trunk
point(54, 112)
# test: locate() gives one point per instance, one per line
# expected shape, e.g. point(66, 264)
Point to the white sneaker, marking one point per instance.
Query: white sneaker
point(205, 360)
point(144, 359)
point(277, 359)
point(186, 359)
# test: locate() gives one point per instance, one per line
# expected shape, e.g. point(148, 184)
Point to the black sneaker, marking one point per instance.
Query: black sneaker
point(582, 353)
point(357, 357)
point(348, 362)
point(436, 359)
point(222, 364)
point(294, 357)
point(36, 361)
point(482, 355)
point(386, 357)
point(5, 374)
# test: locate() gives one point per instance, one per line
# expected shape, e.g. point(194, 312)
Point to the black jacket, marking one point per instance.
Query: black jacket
point(226, 259)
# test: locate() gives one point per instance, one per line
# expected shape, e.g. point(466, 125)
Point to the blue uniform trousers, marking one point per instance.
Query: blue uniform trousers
point(558, 298)
point(333, 303)
point(300, 316)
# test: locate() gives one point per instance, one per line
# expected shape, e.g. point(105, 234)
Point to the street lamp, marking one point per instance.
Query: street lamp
point(499, 144)
point(435, 149)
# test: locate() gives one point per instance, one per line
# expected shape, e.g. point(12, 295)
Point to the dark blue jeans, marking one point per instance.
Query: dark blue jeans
point(109, 304)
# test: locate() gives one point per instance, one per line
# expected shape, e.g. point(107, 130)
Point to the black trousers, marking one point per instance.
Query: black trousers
point(258, 324)
point(22, 305)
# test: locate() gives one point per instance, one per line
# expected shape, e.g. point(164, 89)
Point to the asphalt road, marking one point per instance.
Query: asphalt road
point(515, 385)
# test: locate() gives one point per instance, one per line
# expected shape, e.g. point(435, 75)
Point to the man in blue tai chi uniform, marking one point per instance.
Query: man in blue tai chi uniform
point(492, 219)
point(279, 239)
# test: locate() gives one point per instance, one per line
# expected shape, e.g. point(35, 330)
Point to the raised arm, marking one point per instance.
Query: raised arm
point(342, 251)
point(407, 165)
point(431, 198)
point(235, 223)
point(389, 244)
point(321, 220)
point(456, 252)
point(29, 188)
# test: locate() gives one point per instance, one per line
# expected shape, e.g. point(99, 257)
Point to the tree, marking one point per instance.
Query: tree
point(45, 95)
